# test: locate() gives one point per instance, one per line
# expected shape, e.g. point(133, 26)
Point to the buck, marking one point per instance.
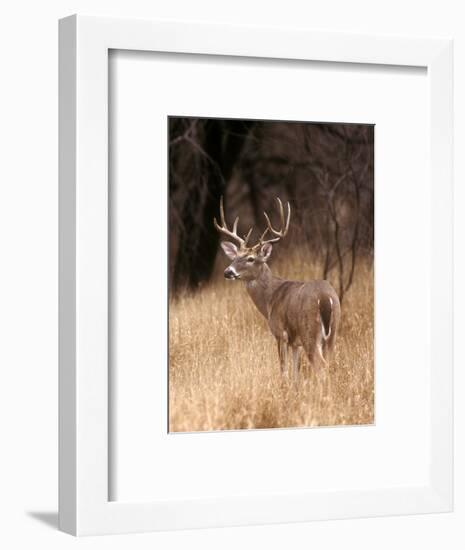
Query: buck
point(301, 315)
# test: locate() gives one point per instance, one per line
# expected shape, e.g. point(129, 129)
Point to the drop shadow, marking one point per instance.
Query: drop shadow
point(47, 518)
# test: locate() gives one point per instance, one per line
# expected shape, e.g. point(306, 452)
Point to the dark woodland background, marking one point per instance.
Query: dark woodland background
point(326, 171)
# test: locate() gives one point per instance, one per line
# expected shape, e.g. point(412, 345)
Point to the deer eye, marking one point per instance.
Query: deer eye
point(250, 259)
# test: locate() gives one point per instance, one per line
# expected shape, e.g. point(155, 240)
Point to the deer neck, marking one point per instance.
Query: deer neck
point(261, 289)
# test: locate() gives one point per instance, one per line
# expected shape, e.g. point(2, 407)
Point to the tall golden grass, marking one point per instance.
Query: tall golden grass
point(223, 364)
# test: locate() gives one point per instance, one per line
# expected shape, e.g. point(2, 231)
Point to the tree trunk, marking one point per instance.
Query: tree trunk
point(222, 145)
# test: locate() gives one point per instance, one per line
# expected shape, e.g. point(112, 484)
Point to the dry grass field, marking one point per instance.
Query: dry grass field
point(223, 364)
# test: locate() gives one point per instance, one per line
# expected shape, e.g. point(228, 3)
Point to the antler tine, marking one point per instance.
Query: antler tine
point(284, 224)
point(247, 237)
point(281, 210)
point(222, 212)
point(236, 221)
point(263, 235)
point(223, 228)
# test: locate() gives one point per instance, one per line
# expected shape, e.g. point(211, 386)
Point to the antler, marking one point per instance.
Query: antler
point(231, 234)
point(284, 225)
point(279, 234)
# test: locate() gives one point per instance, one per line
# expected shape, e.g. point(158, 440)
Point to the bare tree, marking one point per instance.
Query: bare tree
point(203, 152)
point(324, 170)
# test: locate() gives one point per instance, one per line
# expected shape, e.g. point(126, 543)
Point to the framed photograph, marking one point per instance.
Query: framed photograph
point(223, 369)
point(255, 275)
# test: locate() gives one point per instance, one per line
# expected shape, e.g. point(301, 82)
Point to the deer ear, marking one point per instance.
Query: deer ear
point(229, 249)
point(265, 251)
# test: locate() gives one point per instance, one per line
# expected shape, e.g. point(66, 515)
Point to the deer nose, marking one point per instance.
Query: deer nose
point(229, 273)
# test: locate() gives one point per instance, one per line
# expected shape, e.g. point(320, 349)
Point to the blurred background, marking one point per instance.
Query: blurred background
point(325, 170)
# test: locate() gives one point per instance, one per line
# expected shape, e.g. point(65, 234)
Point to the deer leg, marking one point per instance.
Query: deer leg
point(328, 349)
point(313, 347)
point(286, 349)
point(321, 351)
point(296, 360)
point(285, 365)
point(327, 353)
point(281, 353)
point(282, 349)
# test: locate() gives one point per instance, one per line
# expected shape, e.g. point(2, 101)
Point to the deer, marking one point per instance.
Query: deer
point(302, 316)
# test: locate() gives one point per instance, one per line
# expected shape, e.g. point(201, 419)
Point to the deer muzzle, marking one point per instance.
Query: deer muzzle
point(230, 273)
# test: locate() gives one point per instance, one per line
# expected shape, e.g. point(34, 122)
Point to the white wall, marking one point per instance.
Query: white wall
point(28, 274)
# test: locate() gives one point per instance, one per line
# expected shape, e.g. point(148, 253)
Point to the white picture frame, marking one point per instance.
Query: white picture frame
point(84, 505)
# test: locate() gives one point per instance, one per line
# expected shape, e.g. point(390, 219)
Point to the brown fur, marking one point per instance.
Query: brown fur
point(301, 315)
